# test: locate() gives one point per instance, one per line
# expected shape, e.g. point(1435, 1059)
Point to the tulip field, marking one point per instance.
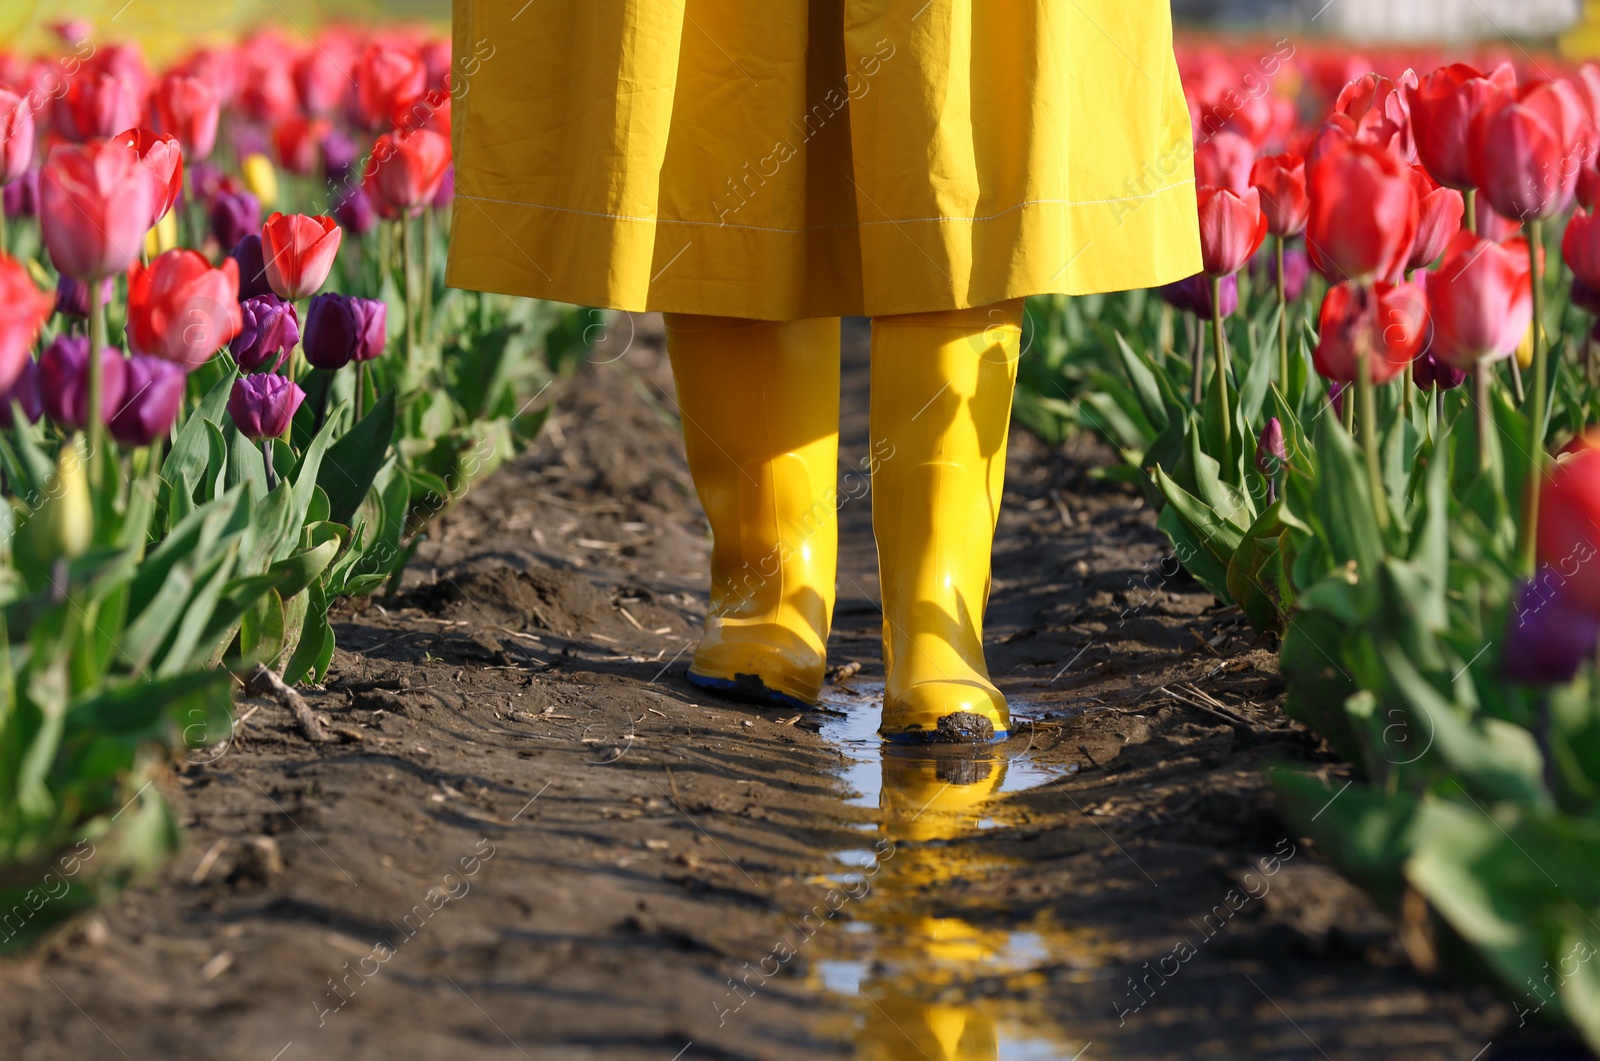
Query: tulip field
point(1369, 425)
point(235, 391)
point(239, 406)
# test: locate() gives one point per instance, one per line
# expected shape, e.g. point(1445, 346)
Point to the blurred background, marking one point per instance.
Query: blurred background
point(22, 22)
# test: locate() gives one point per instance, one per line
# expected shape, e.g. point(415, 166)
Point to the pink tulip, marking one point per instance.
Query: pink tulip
point(1224, 161)
point(94, 208)
point(1526, 150)
point(16, 136)
point(189, 108)
point(1232, 228)
point(1480, 299)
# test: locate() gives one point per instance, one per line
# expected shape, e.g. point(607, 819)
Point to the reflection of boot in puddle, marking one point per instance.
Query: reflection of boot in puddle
point(929, 798)
point(901, 1027)
point(936, 797)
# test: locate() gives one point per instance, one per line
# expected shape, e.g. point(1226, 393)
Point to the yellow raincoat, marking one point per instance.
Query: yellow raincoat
point(785, 159)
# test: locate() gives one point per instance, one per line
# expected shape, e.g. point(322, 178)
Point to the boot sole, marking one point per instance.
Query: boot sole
point(748, 688)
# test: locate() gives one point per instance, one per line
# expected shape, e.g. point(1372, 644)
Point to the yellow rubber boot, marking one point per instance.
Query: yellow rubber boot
point(941, 408)
point(760, 408)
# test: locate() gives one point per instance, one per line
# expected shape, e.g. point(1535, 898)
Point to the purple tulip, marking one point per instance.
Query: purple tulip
point(252, 267)
point(235, 214)
point(150, 401)
point(206, 179)
point(64, 380)
point(1336, 398)
point(1194, 295)
point(250, 140)
point(1296, 271)
point(1428, 372)
point(1550, 634)
point(342, 328)
point(270, 331)
point(72, 296)
point(1271, 455)
point(354, 212)
point(263, 405)
point(25, 392)
point(1585, 297)
point(339, 154)
point(21, 196)
point(447, 189)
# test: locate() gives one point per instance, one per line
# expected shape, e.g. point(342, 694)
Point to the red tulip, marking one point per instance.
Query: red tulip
point(1492, 226)
point(1526, 150)
point(94, 208)
point(1480, 300)
point(1388, 323)
point(1569, 513)
point(1443, 107)
point(298, 142)
point(1581, 248)
point(1375, 102)
point(405, 170)
point(1232, 228)
point(98, 105)
point(16, 136)
point(431, 110)
point(1439, 215)
point(23, 311)
point(267, 91)
point(299, 252)
point(387, 80)
point(1588, 187)
point(188, 108)
point(162, 156)
point(1281, 180)
point(180, 309)
point(1364, 214)
point(321, 82)
point(1224, 161)
point(217, 67)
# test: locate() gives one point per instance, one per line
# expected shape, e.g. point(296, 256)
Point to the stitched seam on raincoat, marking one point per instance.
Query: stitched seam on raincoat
point(817, 228)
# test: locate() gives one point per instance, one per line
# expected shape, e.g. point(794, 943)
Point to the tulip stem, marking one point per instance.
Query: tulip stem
point(1516, 381)
point(1480, 401)
point(427, 271)
point(1369, 435)
point(1197, 359)
point(5, 245)
point(1220, 341)
point(1471, 212)
point(1530, 526)
point(1283, 323)
point(266, 460)
point(95, 418)
point(361, 388)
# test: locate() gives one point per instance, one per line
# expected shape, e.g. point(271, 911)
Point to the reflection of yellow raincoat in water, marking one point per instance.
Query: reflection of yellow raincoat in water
point(805, 158)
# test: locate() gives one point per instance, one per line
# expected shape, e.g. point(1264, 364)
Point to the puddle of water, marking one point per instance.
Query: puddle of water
point(918, 964)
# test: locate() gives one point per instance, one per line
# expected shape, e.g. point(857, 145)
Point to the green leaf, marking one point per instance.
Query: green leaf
point(352, 462)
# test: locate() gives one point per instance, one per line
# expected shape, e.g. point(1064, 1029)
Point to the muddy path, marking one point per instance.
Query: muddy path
point(533, 839)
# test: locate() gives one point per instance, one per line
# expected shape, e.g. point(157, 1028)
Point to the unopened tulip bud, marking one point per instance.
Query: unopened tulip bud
point(261, 179)
point(62, 526)
point(263, 405)
point(150, 401)
point(270, 331)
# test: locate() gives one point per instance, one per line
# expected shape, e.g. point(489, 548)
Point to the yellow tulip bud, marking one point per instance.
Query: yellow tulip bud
point(163, 236)
point(1525, 349)
point(261, 179)
point(62, 524)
